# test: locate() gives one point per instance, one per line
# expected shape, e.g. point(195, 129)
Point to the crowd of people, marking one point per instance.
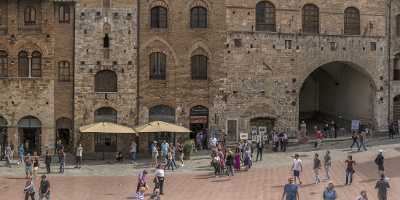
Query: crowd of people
point(291, 190)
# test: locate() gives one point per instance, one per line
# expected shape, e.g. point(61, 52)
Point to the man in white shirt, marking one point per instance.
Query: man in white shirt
point(297, 168)
point(79, 152)
point(132, 150)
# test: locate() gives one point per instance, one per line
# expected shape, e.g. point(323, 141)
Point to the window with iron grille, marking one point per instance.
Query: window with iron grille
point(64, 14)
point(158, 65)
point(311, 19)
point(265, 16)
point(351, 21)
point(30, 16)
point(198, 17)
point(159, 17)
point(23, 64)
point(199, 67)
point(36, 64)
point(3, 64)
point(106, 81)
point(106, 3)
point(64, 71)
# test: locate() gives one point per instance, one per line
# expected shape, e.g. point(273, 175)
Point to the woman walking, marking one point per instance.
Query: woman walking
point(229, 163)
point(237, 159)
point(29, 189)
point(215, 162)
point(316, 168)
point(349, 169)
point(328, 164)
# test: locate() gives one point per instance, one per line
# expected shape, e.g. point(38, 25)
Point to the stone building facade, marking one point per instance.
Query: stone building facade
point(105, 70)
point(304, 60)
point(185, 40)
point(36, 50)
point(230, 66)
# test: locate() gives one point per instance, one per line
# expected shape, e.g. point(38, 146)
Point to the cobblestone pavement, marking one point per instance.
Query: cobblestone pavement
point(195, 180)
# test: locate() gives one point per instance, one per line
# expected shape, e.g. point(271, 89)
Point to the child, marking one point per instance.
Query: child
point(140, 193)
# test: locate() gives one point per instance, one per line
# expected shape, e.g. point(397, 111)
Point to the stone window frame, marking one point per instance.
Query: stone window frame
point(199, 67)
point(352, 21)
point(106, 81)
point(3, 64)
point(106, 3)
point(266, 18)
point(158, 65)
point(199, 17)
point(310, 19)
point(64, 71)
point(64, 13)
point(30, 15)
point(33, 66)
point(159, 17)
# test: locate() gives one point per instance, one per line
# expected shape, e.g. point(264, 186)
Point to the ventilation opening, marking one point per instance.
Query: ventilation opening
point(106, 41)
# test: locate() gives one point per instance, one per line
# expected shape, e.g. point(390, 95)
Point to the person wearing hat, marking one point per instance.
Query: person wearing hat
point(290, 191)
point(379, 161)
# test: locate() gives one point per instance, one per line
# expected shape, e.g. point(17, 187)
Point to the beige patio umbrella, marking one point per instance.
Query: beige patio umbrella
point(160, 126)
point(106, 127)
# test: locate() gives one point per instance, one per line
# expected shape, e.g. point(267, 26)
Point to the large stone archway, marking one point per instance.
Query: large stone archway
point(339, 92)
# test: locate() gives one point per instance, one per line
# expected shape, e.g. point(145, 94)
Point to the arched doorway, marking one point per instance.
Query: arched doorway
point(63, 132)
point(338, 92)
point(198, 120)
point(105, 142)
point(162, 113)
point(3, 134)
point(29, 130)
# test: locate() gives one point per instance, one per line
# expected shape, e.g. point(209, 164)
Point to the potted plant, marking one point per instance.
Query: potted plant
point(187, 149)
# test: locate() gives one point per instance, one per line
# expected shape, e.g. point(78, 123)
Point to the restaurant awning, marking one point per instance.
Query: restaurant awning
point(160, 126)
point(106, 127)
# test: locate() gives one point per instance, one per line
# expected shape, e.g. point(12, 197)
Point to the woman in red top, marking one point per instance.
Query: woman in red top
point(350, 163)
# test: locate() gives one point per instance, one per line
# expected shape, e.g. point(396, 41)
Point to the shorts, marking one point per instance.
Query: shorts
point(28, 169)
point(296, 173)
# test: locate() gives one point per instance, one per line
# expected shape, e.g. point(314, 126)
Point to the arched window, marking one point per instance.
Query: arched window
point(64, 71)
point(23, 64)
point(106, 81)
point(198, 17)
point(159, 17)
point(3, 64)
point(162, 113)
point(351, 21)
point(265, 16)
point(158, 65)
point(36, 66)
point(105, 114)
point(199, 67)
point(106, 41)
point(106, 3)
point(310, 19)
point(30, 16)
point(64, 14)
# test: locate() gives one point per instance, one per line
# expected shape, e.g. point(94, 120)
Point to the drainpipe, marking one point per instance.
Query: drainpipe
point(389, 40)
point(137, 61)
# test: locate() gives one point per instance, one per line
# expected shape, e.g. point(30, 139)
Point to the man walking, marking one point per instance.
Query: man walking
point(47, 161)
point(362, 138)
point(327, 164)
point(132, 150)
point(354, 137)
point(164, 150)
point(379, 161)
point(8, 155)
point(79, 152)
point(44, 189)
point(260, 147)
point(297, 168)
point(291, 191)
point(382, 186)
point(61, 157)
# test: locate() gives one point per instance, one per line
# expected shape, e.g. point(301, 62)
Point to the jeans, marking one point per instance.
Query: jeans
point(349, 176)
point(62, 165)
point(328, 171)
point(259, 154)
point(133, 156)
point(362, 144)
point(355, 142)
point(170, 164)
